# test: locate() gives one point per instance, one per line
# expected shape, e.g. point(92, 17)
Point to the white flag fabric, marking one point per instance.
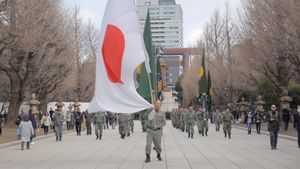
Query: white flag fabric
point(122, 50)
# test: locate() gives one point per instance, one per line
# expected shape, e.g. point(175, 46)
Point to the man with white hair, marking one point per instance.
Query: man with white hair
point(156, 120)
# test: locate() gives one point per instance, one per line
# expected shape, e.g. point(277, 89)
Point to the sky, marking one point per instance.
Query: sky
point(196, 13)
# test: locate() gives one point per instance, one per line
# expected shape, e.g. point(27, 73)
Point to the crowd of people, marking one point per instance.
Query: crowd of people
point(184, 119)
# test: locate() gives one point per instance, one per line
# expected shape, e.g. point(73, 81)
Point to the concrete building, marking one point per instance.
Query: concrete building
point(166, 21)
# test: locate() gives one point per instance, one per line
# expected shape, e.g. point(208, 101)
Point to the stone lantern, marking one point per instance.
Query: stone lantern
point(260, 104)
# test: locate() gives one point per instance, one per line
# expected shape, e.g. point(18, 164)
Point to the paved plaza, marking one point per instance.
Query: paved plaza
point(85, 152)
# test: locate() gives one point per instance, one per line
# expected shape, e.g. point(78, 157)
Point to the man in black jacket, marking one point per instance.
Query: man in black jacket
point(274, 120)
point(78, 121)
point(297, 119)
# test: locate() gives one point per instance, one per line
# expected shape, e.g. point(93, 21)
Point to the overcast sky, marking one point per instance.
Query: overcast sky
point(196, 14)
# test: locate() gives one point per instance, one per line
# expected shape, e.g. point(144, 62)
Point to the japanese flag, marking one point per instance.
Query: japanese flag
point(122, 50)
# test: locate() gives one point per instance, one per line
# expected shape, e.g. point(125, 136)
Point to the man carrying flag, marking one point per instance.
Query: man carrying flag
point(123, 50)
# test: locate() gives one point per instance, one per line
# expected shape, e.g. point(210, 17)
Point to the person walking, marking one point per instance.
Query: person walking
point(249, 121)
point(26, 131)
point(99, 121)
point(46, 123)
point(227, 122)
point(218, 120)
point(88, 122)
point(131, 122)
point(156, 120)
point(297, 119)
point(78, 121)
point(58, 119)
point(274, 120)
point(1, 121)
point(34, 125)
point(203, 122)
point(258, 120)
point(285, 117)
point(190, 122)
point(69, 120)
point(123, 124)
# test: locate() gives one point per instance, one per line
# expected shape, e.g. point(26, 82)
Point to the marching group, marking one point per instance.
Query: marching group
point(185, 120)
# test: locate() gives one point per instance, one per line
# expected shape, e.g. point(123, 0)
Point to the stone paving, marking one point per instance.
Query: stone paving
point(85, 152)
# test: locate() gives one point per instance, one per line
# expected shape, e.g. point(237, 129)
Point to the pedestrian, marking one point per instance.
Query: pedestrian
point(78, 121)
point(249, 121)
point(99, 121)
point(190, 122)
point(143, 118)
point(46, 122)
point(218, 120)
point(51, 112)
point(26, 131)
point(156, 120)
point(274, 120)
point(297, 119)
point(58, 119)
point(123, 125)
point(258, 120)
point(131, 122)
point(227, 122)
point(182, 120)
point(1, 121)
point(285, 117)
point(69, 120)
point(88, 122)
point(202, 119)
point(34, 125)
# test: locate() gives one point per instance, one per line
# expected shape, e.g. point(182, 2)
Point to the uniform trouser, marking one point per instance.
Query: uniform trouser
point(204, 127)
point(122, 130)
point(218, 124)
point(58, 131)
point(298, 130)
point(183, 126)
point(99, 129)
point(227, 128)
point(190, 127)
point(155, 137)
point(273, 138)
point(258, 127)
point(78, 127)
point(88, 128)
point(286, 125)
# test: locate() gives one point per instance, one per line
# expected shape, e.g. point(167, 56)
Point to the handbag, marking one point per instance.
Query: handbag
point(18, 133)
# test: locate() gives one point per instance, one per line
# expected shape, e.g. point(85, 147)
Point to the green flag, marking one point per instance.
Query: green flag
point(143, 87)
point(202, 81)
point(150, 51)
point(209, 92)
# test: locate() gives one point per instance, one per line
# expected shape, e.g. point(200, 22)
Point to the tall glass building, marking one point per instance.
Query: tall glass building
point(166, 21)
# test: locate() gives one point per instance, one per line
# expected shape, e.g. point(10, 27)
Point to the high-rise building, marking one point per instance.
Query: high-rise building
point(166, 21)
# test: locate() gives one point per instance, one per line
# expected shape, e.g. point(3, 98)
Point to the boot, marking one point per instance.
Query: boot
point(28, 145)
point(229, 135)
point(97, 136)
point(100, 137)
point(56, 138)
point(206, 133)
point(147, 158)
point(60, 138)
point(225, 135)
point(189, 135)
point(159, 157)
point(192, 135)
